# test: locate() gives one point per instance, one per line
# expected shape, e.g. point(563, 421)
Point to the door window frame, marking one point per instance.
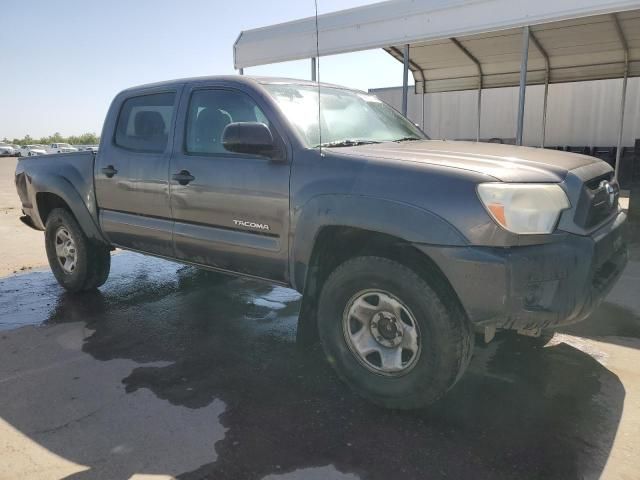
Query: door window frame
point(170, 128)
point(275, 132)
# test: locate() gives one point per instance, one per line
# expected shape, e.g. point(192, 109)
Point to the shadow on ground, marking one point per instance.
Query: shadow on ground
point(521, 411)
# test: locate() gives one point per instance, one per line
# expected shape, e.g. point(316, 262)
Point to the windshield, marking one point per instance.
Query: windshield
point(347, 117)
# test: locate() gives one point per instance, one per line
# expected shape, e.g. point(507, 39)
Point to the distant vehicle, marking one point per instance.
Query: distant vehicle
point(401, 246)
point(90, 148)
point(31, 151)
point(7, 150)
point(61, 148)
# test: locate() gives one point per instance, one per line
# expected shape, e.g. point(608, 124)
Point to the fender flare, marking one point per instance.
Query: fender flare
point(42, 182)
point(408, 222)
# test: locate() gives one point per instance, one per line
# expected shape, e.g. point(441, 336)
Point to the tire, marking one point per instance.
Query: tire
point(445, 338)
point(88, 263)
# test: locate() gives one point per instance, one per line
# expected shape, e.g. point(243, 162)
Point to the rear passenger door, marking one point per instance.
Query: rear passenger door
point(132, 184)
point(234, 213)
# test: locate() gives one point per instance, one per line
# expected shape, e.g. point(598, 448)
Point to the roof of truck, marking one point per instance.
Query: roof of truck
point(242, 79)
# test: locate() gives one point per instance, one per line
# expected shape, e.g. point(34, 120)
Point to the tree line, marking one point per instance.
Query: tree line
point(84, 139)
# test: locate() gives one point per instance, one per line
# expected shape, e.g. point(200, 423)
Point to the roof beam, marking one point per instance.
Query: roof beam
point(621, 37)
point(414, 67)
point(543, 52)
point(478, 65)
point(547, 78)
point(470, 56)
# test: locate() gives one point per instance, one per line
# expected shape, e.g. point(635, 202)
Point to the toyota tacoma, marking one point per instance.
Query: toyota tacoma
point(402, 246)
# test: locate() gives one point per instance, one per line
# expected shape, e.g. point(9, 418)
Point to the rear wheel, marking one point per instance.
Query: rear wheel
point(77, 263)
point(389, 335)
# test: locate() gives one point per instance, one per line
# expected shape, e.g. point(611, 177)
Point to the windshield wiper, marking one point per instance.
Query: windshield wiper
point(407, 139)
point(347, 142)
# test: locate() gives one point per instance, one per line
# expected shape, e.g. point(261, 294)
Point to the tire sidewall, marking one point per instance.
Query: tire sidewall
point(71, 281)
point(430, 376)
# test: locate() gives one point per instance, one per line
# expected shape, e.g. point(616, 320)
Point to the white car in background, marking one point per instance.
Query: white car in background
point(61, 148)
point(6, 150)
point(31, 151)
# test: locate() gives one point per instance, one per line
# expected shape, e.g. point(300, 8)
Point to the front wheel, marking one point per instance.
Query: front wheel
point(77, 263)
point(390, 336)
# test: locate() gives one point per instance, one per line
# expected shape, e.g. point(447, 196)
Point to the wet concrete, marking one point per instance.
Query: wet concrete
point(196, 340)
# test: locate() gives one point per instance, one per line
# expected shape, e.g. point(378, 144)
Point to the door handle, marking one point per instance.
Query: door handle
point(183, 177)
point(109, 171)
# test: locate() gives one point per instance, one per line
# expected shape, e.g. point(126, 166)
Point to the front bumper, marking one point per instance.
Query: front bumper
point(538, 286)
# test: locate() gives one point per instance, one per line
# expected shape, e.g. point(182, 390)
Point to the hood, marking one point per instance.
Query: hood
point(506, 163)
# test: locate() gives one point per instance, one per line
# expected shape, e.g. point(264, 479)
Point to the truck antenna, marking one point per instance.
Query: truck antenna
point(318, 78)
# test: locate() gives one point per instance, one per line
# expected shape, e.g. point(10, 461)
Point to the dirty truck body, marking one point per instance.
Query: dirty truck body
point(401, 246)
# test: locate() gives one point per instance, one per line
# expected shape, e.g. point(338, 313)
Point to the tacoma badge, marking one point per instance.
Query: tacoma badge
point(259, 226)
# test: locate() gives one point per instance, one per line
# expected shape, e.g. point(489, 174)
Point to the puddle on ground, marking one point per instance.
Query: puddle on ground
point(522, 410)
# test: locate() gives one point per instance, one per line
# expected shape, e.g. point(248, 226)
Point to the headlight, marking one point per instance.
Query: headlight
point(524, 208)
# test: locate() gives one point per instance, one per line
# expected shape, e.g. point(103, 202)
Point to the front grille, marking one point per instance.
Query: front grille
point(595, 205)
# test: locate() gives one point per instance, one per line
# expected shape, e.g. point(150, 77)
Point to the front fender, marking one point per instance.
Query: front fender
point(401, 220)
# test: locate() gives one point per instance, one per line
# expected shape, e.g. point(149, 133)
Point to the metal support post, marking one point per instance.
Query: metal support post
point(405, 80)
point(523, 84)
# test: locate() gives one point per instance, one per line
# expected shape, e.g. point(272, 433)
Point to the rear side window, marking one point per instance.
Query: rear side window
point(144, 122)
point(210, 111)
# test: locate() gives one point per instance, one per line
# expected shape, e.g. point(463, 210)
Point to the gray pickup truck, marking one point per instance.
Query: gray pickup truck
point(402, 246)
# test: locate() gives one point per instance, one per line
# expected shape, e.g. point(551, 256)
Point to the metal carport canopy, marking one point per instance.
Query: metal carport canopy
point(453, 45)
point(452, 41)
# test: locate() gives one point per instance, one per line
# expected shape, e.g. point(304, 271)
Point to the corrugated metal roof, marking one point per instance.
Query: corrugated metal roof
point(579, 36)
point(580, 49)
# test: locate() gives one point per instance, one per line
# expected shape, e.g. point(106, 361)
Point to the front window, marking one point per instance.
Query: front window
point(347, 117)
point(210, 111)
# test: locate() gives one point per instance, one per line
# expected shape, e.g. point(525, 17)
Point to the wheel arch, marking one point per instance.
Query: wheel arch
point(404, 222)
point(335, 244)
point(52, 191)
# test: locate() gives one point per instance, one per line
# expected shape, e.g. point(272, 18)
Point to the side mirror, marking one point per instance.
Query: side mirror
point(253, 138)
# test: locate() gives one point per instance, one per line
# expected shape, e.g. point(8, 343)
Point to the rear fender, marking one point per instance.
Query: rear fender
point(45, 182)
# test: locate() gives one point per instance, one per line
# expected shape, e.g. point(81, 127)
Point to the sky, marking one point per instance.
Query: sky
point(62, 62)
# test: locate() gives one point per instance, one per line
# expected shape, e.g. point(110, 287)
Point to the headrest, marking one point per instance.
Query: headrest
point(149, 123)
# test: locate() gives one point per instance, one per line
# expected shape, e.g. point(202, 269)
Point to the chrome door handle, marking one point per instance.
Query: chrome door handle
point(109, 171)
point(183, 177)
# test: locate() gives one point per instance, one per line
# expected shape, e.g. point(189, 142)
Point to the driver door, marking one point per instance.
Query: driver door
point(230, 210)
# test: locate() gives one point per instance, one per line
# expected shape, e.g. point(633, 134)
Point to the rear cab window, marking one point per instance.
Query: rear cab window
point(144, 122)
